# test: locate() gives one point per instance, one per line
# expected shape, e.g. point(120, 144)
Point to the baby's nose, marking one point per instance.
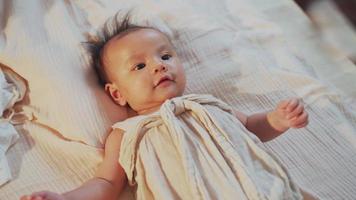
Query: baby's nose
point(160, 67)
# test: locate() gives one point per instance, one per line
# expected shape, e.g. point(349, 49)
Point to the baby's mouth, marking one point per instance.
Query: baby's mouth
point(163, 79)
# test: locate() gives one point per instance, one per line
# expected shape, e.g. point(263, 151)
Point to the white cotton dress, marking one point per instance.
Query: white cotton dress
point(195, 148)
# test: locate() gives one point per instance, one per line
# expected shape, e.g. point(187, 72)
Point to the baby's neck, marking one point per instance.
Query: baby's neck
point(132, 113)
point(151, 109)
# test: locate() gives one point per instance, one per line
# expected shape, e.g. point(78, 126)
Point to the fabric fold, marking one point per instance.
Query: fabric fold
point(194, 148)
point(12, 90)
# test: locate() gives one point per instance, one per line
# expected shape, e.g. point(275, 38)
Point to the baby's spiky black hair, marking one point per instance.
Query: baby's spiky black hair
point(114, 26)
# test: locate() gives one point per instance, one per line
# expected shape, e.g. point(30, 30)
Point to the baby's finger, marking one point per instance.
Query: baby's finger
point(302, 125)
point(297, 111)
point(302, 118)
point(292, 104)
point(31, 197)
point(42, 195)
point(25, 197)
point(283, 104)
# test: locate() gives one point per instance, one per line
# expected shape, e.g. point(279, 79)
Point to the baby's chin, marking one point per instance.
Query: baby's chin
point(169, 95)
point(169, 90)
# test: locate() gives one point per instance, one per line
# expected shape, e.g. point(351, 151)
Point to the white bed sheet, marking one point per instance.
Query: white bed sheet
point(321, 157)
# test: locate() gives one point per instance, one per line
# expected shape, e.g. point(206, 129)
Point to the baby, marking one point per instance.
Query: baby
point(173, 146)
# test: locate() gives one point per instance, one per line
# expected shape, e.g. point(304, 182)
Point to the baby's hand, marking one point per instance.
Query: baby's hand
point(289, 113)
point(43, 195)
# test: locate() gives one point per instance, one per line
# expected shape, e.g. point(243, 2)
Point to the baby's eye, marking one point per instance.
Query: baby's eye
point(166, 57)
point(140, 66)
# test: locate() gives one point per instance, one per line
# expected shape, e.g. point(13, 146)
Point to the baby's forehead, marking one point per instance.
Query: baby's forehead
point(137, 40)
point(128, 39)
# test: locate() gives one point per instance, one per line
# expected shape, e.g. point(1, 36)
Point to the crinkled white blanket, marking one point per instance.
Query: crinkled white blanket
point(11, 91)
point(321, 158)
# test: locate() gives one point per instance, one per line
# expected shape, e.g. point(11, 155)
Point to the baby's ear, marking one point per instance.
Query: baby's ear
point(115, 94)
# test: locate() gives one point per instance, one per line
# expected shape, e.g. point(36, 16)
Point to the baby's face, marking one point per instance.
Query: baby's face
point(144, 70)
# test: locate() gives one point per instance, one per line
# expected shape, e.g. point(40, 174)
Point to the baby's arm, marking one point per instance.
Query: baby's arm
point(107, 184)
point(268, 125)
